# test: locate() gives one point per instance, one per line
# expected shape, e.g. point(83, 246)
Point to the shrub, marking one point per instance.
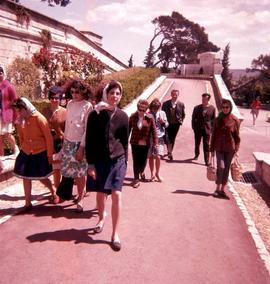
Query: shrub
point(134, 81)
point(25, 76)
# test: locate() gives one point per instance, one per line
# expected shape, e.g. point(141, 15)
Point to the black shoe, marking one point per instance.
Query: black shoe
point(143, 177)
point(115, 245)
point(170, 157)
point(196, 157)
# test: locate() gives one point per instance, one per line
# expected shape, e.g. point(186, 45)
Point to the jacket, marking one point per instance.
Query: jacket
point(203, 118)
point(179, 111)
point(225, 135)
point(8, 97)
point(144, 134)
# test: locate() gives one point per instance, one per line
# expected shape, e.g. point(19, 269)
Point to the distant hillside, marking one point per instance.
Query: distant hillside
point(239, 73)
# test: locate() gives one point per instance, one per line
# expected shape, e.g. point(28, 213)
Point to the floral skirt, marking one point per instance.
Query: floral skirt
point(70, 167)
point(159, 149)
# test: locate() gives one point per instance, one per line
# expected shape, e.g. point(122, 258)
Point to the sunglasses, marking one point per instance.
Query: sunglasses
point(225, 107)
point(140, 109)
point(54, 98)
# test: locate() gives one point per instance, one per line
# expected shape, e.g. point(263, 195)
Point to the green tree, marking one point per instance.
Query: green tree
point(52, 3)
point(130, 61)
point(149, 58)
point(178, 41)
point(262, 64)
point(25, 77)
point(258, 86)
point(226, 74)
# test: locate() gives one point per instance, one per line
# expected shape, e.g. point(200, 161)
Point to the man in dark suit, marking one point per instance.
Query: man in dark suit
point(202, 122)
point(175, 112)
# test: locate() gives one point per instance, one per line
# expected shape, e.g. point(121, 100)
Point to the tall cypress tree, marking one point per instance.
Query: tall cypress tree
point(226, 74)
point(130, 61)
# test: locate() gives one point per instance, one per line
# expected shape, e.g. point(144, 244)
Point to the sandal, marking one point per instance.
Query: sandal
point(98, 229)
point(152, 178)
point(54, 199)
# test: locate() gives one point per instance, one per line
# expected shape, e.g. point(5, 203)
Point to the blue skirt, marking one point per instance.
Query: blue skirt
point(110, 176)
point(32, 166)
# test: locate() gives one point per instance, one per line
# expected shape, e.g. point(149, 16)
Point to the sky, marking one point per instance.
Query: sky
point(126, 27)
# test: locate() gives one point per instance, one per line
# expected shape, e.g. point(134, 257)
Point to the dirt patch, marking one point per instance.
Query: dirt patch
point(256, 198)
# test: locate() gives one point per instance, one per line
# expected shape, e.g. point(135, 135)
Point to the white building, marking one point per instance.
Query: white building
point(20, 30)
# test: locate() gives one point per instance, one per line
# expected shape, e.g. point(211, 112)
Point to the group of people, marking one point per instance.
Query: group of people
point(87, 145)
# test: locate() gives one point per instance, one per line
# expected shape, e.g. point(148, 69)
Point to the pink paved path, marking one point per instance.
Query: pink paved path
point(172, 232)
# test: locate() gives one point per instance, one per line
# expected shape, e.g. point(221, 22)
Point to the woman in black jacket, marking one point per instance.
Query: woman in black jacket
point(106, 153)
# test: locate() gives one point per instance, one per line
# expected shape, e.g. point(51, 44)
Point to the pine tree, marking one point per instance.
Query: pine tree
point(130, 61)
point(149, 59)
point(226, 74)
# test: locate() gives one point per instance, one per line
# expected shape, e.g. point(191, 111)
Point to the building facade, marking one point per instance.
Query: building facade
point(20, 30)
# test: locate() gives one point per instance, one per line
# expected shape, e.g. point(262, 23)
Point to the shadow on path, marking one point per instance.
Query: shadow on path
point(57, 211)
point(78, 236)
point(6, 197)
point(194, 192)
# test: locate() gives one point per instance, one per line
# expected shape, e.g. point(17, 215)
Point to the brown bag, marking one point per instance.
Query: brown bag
point(211, 171)
point(236, 169)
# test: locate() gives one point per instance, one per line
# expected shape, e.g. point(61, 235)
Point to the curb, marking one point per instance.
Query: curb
point(260, 246)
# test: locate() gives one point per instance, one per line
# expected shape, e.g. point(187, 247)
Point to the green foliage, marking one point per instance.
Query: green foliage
point(178, 41)
point(261, 63)
point(130, 61)
point(259, 87)
point(25, 77)
point(134, 81)
point(226, 75)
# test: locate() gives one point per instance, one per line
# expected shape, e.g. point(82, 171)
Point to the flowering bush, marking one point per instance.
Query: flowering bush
point(70, 63)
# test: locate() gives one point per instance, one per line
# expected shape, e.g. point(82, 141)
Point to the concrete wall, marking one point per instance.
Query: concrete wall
point(22, 40)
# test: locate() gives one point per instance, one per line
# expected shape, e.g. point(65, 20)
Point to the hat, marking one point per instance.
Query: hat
point(56, 90)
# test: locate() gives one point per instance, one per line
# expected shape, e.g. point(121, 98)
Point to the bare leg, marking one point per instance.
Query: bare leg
point(56, 177)
point(27, 186)
point(158, 168)
point(101, 198)
point(116, 210)
point(157, 164)
point(47, 182)
point(80, 182)
point(151, 166)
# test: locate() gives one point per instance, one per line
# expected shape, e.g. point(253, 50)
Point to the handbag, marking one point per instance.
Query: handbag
point(236, 169)
point(64, 190)
point(211, 171)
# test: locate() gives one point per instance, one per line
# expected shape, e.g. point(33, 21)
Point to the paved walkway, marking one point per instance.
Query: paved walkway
point(172, 232)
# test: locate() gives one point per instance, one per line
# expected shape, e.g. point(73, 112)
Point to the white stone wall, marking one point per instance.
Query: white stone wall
point(17, 40)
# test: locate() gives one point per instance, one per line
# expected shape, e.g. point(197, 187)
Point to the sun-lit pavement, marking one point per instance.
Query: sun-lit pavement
point(171, 232)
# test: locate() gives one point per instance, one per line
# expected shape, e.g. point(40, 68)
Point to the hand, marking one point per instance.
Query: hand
point(79, 154)
point(212, 154)
point(92, 173)
point(236, 154)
